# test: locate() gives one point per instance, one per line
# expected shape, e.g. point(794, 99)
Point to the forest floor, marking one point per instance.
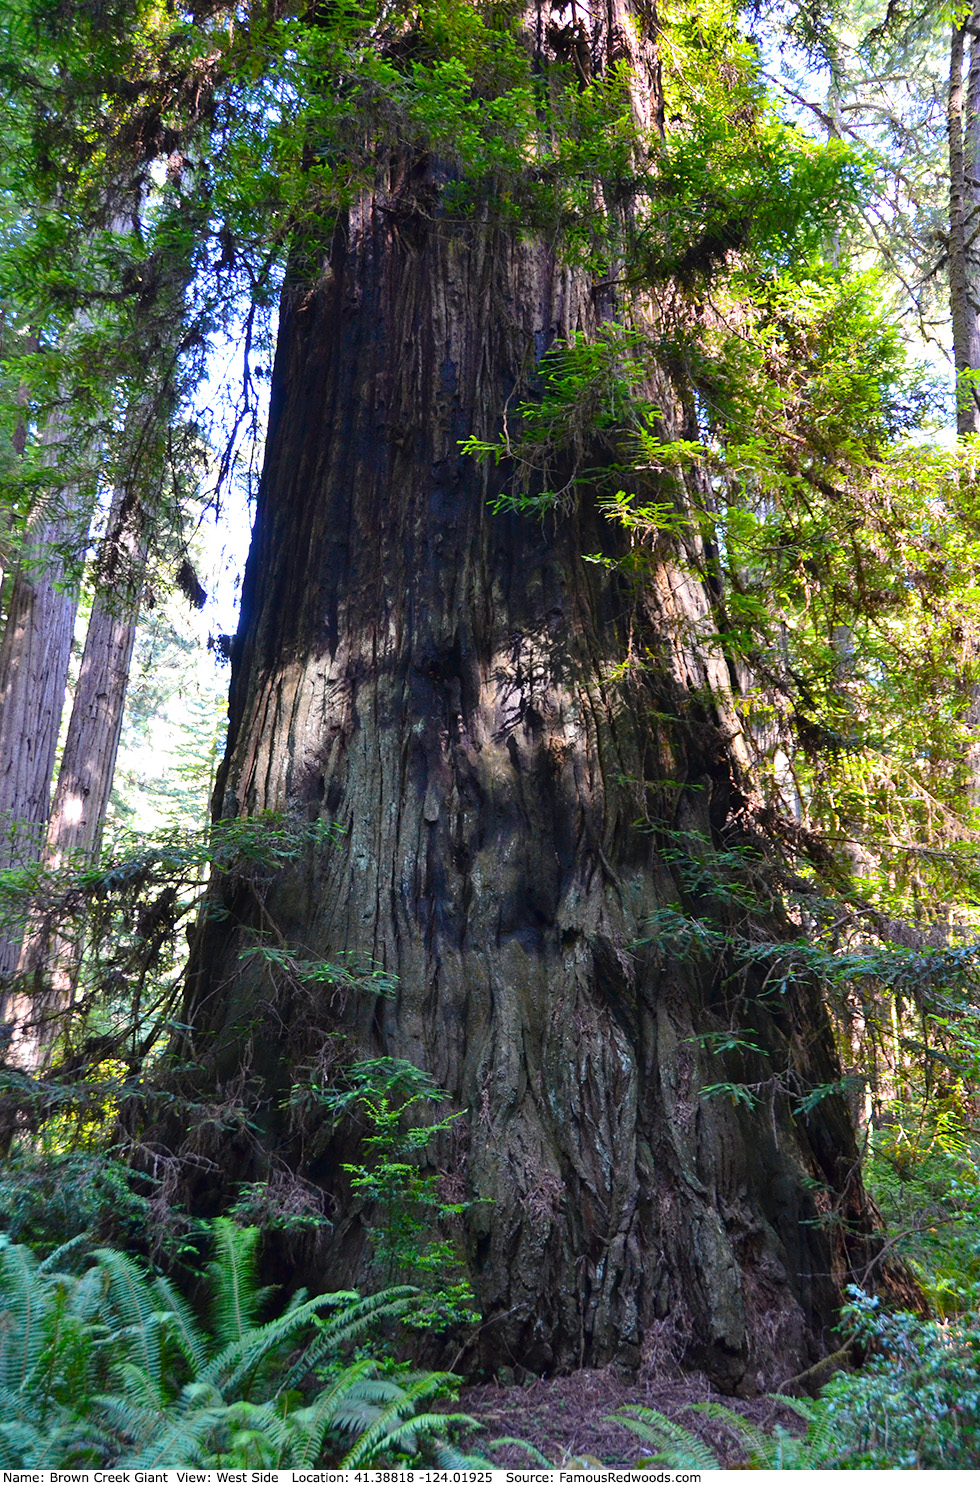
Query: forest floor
point(566, 1416)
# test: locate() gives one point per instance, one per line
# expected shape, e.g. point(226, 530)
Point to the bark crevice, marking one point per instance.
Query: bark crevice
point(454, 691)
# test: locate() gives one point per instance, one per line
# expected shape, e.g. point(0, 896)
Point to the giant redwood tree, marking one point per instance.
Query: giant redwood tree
point(521, 743)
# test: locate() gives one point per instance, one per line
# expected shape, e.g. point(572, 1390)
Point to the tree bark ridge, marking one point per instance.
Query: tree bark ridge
point(486, 718)
point(34, 655)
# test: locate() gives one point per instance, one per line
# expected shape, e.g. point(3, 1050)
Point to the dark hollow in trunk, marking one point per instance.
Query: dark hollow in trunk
point(486, 716)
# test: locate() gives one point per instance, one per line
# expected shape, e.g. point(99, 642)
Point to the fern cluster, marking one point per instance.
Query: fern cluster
point(101, 1364)
point(675, 1446)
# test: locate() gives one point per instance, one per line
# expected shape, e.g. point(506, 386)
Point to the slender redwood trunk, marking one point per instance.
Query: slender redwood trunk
point(34, 655)
point(85, 776)
point(89, 757)
point(74, 826)
point(963, 131)
point(33, 672)
point(18, 441)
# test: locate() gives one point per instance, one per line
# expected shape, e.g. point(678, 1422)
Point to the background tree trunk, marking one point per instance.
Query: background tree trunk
point(89, 758)
point(87, 766)
point(34, 655)
point(963, 118)
point(488, 720)
point(77, 811)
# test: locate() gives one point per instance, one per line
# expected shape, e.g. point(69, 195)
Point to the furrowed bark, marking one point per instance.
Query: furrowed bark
point(34, 656)
point(89, 757)
point(963, 131)
point(50, 960)
point(510, 741)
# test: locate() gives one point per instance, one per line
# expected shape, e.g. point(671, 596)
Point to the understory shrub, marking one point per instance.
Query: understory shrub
point(915, 1404)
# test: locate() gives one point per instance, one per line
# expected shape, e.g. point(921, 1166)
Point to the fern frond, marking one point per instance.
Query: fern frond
point(523, 1444)
point(199, 1395)
point(360, 1400)
point(126, 1419)
point(47, 1265)
point(229, 1368)
point(825, 1441)
point(783, 1452)
point(806, 1407)
point(139, 1388)
point(233, 1276)
point(391, 1418)
point(348, 1325)
point(406, 1435)
point(318, 1417)
point(178, 1443)
point(15, 1403)
point(19, 1443)
point(822, 1445)
point(264, 1418)
point(365, 1400)
point(676, 1446)
point(74, 1436)
point(381, 1305)
point(179, 1320)
point(133, 1302)
point(87, 1294)
point(531, 1449)
point(448, 1457)
point(22, 1307)
point(754, 1439)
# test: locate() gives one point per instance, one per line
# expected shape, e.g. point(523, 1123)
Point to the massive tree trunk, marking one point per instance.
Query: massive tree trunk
point(517, 747)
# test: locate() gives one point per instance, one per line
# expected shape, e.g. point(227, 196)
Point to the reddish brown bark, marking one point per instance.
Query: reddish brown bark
point(963, 128)
point(34, 655)
point(89, 757)
point(85, 775)
point(489, 719)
